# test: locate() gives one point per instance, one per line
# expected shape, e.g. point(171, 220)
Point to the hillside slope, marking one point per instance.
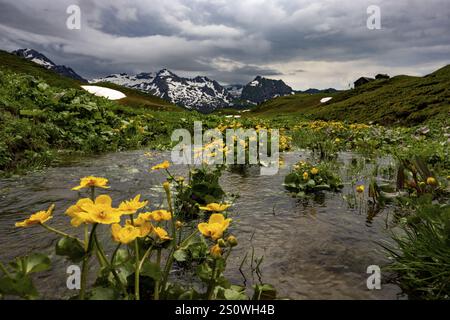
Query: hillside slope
point(399, 100)
point(134, 99)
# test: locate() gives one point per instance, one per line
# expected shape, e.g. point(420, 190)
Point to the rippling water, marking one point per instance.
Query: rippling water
point(314, 250)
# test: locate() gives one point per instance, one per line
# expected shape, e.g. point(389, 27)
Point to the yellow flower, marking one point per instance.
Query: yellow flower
point(125, 234)
point(216, 251)
point(91, 181)
point(161, 233)
point(431, 181)
point(360, 188)
point(215, 227)
point(37, 218)
point(305, 175)
point(101, 210)
point(142, 225)
point(337, 140)
point(132, 205)
point(77, 214)
point(314, 171)
point(160, 215)
point(162, 165)
point(215, 207)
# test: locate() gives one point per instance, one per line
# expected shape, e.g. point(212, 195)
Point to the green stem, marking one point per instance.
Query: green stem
point(212, 281)
point(85, 262)
point(171, 259)
point(146, 255)
point(158, 263)
point(136, 271)
point(5, 271)
point(101, 254)
point(61, 233)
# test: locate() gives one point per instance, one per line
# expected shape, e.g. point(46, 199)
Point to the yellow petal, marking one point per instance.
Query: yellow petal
point(216, 218)
point(103, 200)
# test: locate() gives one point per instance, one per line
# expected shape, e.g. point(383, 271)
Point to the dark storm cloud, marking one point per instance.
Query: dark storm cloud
point(306, 43)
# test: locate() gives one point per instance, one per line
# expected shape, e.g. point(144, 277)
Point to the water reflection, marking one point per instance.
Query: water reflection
point(314, 249)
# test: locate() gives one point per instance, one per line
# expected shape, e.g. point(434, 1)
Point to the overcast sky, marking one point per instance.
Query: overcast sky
point(307, 44)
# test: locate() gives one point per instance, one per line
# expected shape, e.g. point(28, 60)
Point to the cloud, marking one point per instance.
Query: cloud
point(306, 43)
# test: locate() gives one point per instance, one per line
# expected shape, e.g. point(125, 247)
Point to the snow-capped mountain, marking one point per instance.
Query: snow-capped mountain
point(199, 93)
point(235, 90)
point(42, 60)
point(262, 89)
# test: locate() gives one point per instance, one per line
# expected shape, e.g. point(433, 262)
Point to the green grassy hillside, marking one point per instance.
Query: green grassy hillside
point(11, 62)
point(399, 100)
point(134, 99)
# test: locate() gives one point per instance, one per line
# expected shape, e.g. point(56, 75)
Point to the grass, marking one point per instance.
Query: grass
point(421, 260)
point(134, 99)
point(13, 63)
point(401, 100)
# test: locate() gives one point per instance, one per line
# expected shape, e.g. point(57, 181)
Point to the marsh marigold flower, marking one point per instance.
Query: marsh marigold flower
point(39, 217)
point(157, 215)
point(125, 234)
point(101, 210)
point(132, 205)
point(305, 175)
point(215, 207)
point(216, 251)
point(77, 213)
point(161, 233)
point(91, 181)
point(215, 227)
point(162, 165)
point(431, 181)
point(314, 171)
point(360, 188)
point(144, 226)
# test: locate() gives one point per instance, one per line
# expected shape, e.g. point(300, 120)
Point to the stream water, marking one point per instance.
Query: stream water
point(315, 250)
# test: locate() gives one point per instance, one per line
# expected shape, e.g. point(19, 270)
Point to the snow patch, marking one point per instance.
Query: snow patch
point(104, 92)
point(323, 100)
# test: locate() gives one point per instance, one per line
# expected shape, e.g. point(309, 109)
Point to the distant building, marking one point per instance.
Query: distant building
point(382, 76)
point(362, 80)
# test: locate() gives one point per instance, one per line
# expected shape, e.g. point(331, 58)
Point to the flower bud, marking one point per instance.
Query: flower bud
point(166, 186)
point(232, 241)
point(215, 251)
point(431, 181)
point(178, 224)
point(221, 243)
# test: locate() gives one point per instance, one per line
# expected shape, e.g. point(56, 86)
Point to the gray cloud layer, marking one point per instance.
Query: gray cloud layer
point(306, 43)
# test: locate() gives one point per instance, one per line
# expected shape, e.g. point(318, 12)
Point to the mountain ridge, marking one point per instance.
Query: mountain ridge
point(39, 58)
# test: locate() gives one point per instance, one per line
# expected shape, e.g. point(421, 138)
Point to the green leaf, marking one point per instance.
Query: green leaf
point(231, 294)
point(180, 255)
point(322, 187)
point(264, 292)
point(122, 256)
point(101, 293)
point(151, 270)
point(70, 248)
point(21, 286)
point(35, 262)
